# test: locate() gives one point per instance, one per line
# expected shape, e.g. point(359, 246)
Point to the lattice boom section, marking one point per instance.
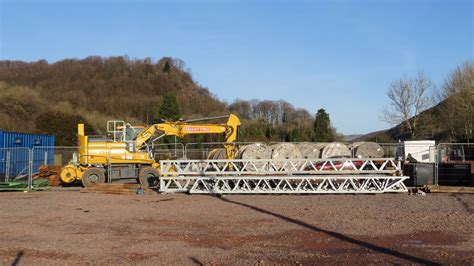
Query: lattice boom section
point(272, 167)
point(284, 185)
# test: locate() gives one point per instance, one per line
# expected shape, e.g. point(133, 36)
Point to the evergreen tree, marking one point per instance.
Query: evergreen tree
point(268, 132)
point(169, 109)
point(322, 129)
point(296, 134)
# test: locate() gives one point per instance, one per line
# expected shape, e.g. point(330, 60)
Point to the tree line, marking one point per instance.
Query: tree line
point(267, 121)
point(51, 98)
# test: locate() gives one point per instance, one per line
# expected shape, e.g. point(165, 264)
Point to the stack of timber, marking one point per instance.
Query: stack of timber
point(448, 189)
point(116, 188)
point(51, 173)
point(367, 150)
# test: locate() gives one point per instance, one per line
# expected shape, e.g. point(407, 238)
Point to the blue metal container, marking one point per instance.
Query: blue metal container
point(15, 152)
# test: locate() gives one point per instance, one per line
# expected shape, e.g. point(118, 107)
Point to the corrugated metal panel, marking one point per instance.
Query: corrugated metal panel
point(15, 140)
point(14, 152)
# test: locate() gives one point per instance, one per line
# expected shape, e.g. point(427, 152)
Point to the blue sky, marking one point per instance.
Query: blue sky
point(337, 55)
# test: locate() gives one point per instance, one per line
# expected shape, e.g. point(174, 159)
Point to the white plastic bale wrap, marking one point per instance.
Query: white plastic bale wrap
point(321, 145)
point(335, 150)
point(284, 151)
point(210, 155)
point(217, 154)
point(367, 150)
point(254, 151)
point(310, 150)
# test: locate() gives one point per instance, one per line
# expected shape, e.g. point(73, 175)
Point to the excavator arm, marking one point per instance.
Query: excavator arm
point(181, 129)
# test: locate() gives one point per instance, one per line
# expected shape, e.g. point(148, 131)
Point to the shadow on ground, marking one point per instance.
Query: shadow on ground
point(18, 258)
point(336, 235)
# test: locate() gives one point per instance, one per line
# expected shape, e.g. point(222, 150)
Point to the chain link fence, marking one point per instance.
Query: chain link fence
point(168, 151)
point(14, 164)
point(22, 165)
point(455, 164)
point(201, 150)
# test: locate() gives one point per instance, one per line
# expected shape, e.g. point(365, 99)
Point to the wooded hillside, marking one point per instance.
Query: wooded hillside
point(40, 97)
point(51, 98)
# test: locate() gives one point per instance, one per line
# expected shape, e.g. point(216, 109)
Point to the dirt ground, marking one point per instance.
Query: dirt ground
point(66, 226)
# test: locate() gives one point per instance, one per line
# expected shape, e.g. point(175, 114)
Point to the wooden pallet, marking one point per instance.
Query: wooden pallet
point(449, 189)
point(111, 188)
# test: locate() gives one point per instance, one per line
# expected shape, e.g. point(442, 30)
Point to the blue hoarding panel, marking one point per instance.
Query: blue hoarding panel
point(14, 152)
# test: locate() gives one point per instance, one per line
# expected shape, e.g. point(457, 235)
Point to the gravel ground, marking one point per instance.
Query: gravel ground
point(69, 227)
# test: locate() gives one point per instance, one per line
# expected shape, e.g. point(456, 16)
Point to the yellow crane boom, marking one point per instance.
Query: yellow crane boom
point(127, 155)
point(181, 129)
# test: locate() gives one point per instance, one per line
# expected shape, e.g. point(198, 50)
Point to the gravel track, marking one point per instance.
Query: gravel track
point(67, 226)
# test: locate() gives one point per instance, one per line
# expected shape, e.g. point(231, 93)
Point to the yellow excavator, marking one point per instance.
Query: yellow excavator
point(127, 150)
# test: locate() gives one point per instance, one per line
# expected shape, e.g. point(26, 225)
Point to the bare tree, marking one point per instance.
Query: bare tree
point(457, 96)
point(408, 98)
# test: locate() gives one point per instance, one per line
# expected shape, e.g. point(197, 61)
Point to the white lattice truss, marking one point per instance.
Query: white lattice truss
point(366, 184)
point(272, 167)
point(303, 176)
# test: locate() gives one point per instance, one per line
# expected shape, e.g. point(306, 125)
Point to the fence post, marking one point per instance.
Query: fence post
point(109, 168)
point(46, 157)
point(437, 155)
point(175, 148)
point(30, 169)
point(7, 167)
point(185, 151)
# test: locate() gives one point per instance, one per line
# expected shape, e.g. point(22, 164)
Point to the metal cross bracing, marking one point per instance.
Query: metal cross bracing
point(286, 167)
point(343, 184)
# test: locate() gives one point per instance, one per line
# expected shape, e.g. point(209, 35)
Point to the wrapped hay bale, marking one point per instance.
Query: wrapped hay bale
point(367, 150)
point(254, 151)
point(310, 150)
point(216, 154)
point(284, 151)
point(335, 150)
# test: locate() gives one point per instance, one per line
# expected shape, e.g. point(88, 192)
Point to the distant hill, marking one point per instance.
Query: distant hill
point(42, 97)
point(369, 136)
point(103, 88)
point(450, 120)
point(430, 127)
point(430, 131)
point(351, 137)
